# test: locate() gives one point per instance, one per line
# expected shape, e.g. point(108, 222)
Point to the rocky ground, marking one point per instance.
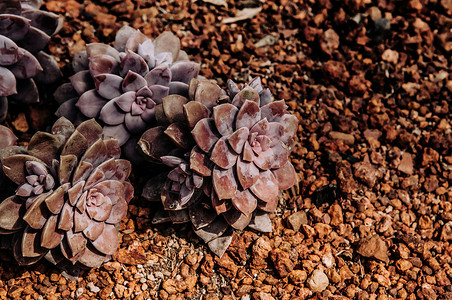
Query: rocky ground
point(372, 215)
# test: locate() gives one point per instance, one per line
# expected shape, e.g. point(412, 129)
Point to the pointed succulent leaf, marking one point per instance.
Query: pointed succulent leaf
point(224, 116)
point(7, 82)
point(102, 64)
point(160, 75)
point(167, 42)
point(224, 183)
point(261, 222)
point(76, 144)
point(51, 237)
point(247, 173)
point(48, 22)
point(155, 143)
point(146, 50)
point(44, 146)
point(50, 69)
point(30, 243)
point(94, 230)
point(135, 39)
point(132, 62)
point(55, 200)
point(135, 124)
point(238, 138)
point(184, 71)
point(27, 67)
point(222, 155)
point(90, 103)
point(201, 215)
point(265, 159)
point(96, 49)
point(108, 241)
point(195, 111)
point(221, 244)
point(199, 162)
point(236, 219)
point(27, 91)
point(244, 201)
point(248, 115)
point(35, 40)
point(13, 26)
point(266, 187)
point(14, 167)
point(206, 92)
point(280, 155)
point(122, 36)
point(82, 81)
point(10, 53)
point(108, 85)
point(180, 135)
point(111, 114)
point(37, 214)
point(158, 93)
point(213, 230)
point(274, 110)
point(173, 108)
point(11, 213)
point(7, 137)
point(204, 134)
point(286, 176)
point(247, 94)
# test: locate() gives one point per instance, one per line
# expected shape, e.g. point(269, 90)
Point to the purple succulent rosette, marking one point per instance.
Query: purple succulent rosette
point(24, 32)
point(72, 191)
point(121, 86)
point(236, 158)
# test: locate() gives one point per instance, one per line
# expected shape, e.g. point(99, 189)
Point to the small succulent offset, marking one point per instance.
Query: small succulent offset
point(24, 32)
point(72, 192)
point(235, 158)
point(121, 86)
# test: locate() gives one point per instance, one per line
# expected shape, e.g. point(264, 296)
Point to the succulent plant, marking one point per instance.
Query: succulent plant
point(24, 32)
point(235, 158)
point(72, 192)
point(121, 86)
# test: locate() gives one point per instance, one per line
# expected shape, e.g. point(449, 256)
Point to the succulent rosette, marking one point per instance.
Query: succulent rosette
point(24, 32)
point(72, 191)
point(236, 158)
point(121, 86)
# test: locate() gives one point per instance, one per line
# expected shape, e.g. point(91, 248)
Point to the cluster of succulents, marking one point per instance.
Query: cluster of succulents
point(72, 191)
point(121, 86)
point(229, 154)
point(225, 153)
point(24, 32)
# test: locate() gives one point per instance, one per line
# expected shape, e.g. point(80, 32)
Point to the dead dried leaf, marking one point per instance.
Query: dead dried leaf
point(246, 13)
point(217, 2)
point(266, 41)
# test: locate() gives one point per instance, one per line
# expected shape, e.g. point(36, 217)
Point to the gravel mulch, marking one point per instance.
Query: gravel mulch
point(372, 215)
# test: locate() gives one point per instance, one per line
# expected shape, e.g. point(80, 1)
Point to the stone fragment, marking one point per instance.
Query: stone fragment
point(336, 215)
point(133, 255)
point(282, 262)
point(446, 232)
point(375, 247)
point(318, 281)
point(226, 266)
point(366, 172)
point(329, 41)
point(347, 138)
point(297, 219)
point(170, 286)
point(406, 164)
point(298, 277)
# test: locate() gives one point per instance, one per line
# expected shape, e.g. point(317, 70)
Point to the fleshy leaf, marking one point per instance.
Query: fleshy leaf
point(204, 135)
point(222, 155)
point(248, 115)
point(266, 187)
point(224, 116)
point(286, 176)
point(224, 183)
point(195, 111)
